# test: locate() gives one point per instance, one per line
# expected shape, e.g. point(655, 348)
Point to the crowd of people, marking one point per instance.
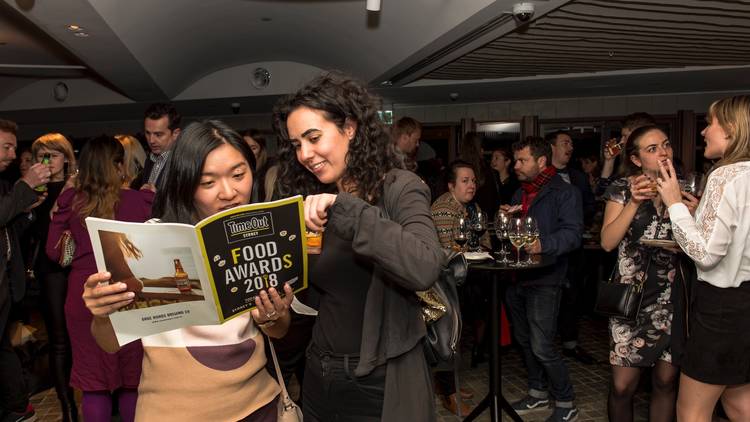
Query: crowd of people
point(389, 226)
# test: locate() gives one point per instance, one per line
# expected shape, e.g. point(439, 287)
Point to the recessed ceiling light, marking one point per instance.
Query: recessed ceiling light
point(266, 19)
point(81, 34)
point(74, 28)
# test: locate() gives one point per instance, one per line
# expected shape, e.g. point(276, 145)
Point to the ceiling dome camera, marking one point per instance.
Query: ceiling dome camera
point(523, 12)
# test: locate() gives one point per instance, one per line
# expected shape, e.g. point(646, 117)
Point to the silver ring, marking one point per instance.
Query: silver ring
point(271, 314)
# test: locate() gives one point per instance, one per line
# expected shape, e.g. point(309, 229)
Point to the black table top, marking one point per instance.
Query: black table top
point(539, 261)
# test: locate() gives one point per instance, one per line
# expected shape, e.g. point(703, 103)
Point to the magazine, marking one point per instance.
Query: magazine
point(204, 274)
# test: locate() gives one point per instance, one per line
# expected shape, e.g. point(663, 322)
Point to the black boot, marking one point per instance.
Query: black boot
point(68, 407)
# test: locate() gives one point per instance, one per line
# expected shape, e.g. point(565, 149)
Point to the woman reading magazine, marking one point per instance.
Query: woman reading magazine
point(214, 372)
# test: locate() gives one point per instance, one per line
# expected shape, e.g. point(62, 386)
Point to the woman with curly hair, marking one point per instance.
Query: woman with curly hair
point(635, 214)
point(365, 361)
point(97, 192)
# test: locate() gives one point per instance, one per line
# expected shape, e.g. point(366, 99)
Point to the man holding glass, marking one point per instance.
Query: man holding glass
point(534, 300)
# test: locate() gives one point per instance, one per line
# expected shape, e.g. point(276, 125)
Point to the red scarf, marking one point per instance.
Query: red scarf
point(531, 189)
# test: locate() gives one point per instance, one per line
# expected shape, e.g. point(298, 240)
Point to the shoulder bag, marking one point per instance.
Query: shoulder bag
point(67, 246)
point(620, 300)
point(440, 309)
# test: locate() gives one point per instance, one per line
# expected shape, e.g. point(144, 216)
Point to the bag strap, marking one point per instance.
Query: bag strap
point(288, 403)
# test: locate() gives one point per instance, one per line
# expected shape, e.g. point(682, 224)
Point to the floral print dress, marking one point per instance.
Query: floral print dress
point(642, 342)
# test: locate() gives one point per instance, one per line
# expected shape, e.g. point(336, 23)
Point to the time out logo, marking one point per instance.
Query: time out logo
point(248, 226)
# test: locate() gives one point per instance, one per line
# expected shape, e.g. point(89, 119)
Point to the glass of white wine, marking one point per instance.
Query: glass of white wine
point(532, 234)
point(517, 237)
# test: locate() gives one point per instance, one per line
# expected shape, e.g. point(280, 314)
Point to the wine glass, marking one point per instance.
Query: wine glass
point(502, 224)
point(532, 234)
point(479, 226)
point(517, 236)
point(461, 232)
point(692, 184)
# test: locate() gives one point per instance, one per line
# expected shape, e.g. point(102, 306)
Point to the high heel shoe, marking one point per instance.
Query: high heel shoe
point(68, 408)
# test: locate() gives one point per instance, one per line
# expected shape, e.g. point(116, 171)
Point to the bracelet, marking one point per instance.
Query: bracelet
point(267, 324)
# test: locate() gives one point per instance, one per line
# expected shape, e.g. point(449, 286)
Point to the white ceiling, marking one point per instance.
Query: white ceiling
point(201, 53)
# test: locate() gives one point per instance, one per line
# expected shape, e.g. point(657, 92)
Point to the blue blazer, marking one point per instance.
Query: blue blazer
point(558, 211)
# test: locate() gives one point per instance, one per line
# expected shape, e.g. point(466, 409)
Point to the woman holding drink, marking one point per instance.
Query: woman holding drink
point(366, 360)
point(633, 217)
point(57, 151)
point(717, 362)
point(213, 372)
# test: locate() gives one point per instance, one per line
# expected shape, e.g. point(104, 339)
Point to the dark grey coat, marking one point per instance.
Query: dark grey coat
point(403, 245)
point(13, 201)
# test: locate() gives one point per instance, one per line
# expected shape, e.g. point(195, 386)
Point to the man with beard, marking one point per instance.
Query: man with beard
point(534, 301)
point(562, 149)
point(15, 203)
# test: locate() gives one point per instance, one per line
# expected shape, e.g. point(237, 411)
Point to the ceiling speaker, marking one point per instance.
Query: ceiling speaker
point(261, 78)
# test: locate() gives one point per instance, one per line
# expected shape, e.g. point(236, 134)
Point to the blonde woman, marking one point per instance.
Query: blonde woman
point(717, 363)
point(53, 284)
point(135, 158)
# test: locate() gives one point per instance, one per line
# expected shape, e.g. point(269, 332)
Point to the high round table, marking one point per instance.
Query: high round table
point(494, 399)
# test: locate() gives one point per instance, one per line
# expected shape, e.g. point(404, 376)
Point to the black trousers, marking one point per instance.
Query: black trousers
point(571, 298)
point(331, 392)
point(13, 390)
point(54, 287)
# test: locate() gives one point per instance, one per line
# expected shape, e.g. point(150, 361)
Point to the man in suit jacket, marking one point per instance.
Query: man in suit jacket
point(161, 125)
point(15, 203)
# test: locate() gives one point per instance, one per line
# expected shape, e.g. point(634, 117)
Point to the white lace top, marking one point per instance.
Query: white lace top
point(717, 239)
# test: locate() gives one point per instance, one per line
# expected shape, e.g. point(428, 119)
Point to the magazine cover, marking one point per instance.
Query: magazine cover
point(204, 274)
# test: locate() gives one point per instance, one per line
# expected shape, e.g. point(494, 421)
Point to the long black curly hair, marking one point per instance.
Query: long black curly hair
point(371, 152)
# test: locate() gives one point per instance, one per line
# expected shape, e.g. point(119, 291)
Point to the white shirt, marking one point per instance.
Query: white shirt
point(717, 239)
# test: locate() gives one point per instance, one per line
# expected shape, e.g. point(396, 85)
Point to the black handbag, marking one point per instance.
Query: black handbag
point(441, 311)
point(619, 300)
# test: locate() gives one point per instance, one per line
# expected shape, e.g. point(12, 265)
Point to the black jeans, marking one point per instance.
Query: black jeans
point(534, 312)
point(331, 392)
point(54, 286)
point(13, 392)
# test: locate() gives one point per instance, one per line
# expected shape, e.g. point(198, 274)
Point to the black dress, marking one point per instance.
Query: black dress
point(642, 342)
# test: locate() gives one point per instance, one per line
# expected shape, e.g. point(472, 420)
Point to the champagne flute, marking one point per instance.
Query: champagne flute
point(502, 224)
point(461, 232)
point(531, 233)
point(517, 237)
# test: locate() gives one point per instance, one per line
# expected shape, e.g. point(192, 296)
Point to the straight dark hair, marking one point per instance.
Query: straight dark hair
point(174, 196)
